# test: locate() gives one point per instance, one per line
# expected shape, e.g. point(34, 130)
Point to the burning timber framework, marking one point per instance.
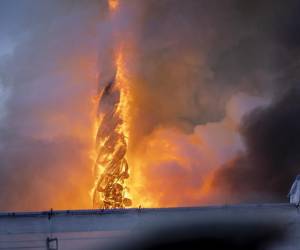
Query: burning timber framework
point(111, 145)
point(111, 166)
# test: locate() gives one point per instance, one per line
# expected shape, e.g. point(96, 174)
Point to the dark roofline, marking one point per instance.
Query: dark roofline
point(51, 212)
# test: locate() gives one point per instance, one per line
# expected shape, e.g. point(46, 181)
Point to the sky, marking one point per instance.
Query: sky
point(215, 108)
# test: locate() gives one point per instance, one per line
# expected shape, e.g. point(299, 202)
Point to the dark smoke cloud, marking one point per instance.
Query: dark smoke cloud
point(272, 160)
point(194, 55)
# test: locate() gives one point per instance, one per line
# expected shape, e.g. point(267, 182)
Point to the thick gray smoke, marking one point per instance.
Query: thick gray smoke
point(267, 169)
point(194, 55)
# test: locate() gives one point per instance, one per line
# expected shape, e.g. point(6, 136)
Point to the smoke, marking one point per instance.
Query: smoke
point(176, 168)
point(48, 77)
point(35, 174)
point(200, 53)
point(194, 57)
point(267, 169)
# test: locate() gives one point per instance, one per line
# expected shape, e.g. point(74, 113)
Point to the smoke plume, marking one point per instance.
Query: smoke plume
point(272, 138)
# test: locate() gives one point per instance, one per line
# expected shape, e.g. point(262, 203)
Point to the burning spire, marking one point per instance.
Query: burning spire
point(111, 166)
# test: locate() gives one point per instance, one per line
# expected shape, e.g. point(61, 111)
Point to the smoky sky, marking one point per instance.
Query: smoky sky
point(195, 54)
point(190, 57)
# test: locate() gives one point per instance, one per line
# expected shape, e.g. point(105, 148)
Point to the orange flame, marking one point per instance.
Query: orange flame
point(122, 84)
point(113, 4)
point(111, 166)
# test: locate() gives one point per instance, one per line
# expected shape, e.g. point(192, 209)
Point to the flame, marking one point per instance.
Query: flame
point(173, 168)
point(123, 105)
point(111, 168)
point(168, 167)
point(113, 4)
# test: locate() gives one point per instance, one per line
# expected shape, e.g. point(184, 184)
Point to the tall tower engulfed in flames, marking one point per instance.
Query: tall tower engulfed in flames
point(111, 167)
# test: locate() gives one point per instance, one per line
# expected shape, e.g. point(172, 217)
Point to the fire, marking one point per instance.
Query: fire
point(113, 4)
point(111, 166)
point(122, 84)
point(173, 162)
